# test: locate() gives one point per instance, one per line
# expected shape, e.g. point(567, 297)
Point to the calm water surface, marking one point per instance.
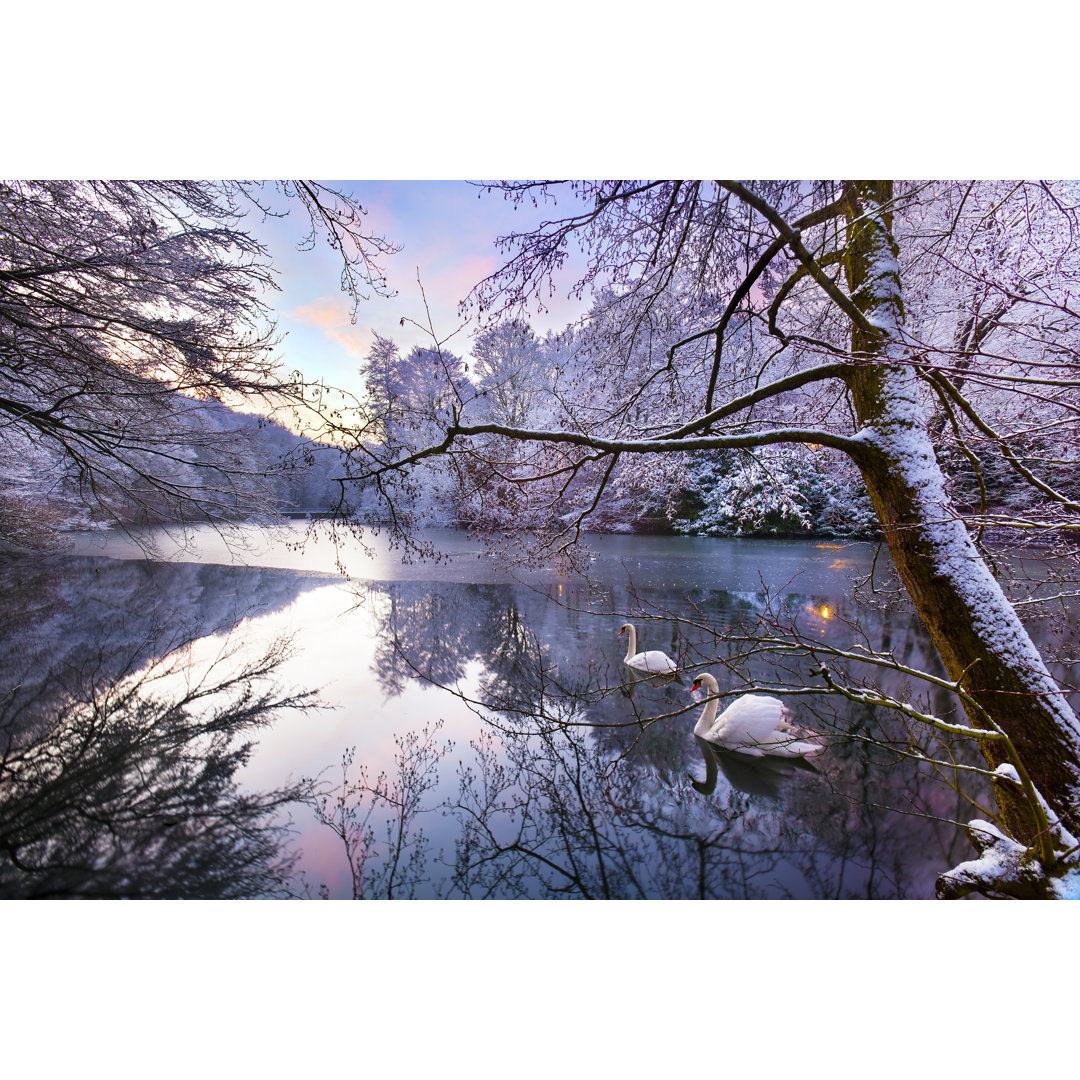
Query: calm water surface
point(476, 734)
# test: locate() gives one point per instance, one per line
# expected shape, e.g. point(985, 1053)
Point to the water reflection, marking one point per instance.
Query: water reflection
point(378, 821)
point(583, 783)
point(754, 775)
point(129, 790)
point(81, 618)
point(118, 775)
point(513, 753)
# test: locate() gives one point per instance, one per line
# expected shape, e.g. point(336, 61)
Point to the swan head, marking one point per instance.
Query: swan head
point(625, 626)
point(706, 680)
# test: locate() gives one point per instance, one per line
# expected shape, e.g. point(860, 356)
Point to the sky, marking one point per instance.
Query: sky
point(447, 231)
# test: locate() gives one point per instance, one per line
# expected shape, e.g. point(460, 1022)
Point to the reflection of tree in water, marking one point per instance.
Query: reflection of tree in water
point(432, 631)
point(544, 816)
point(428, 631)
point(118, 770)
point(541, 816)
point(130, 790)
point(99, 617)
point(553, 805)
point(378, 821)
point(578, 789)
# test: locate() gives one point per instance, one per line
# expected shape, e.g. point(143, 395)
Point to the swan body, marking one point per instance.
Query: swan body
point(654, 661)
point(753, 724)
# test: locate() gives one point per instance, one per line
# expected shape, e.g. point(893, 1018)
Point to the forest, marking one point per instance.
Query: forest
point(280, 459)
point(887, 360)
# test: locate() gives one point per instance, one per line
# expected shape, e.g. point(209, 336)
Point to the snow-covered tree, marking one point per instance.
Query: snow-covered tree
point(126, 308)
point(812, 279)
point(778, 490)
point(407, 401)
point(512, 374)
point(407, 398)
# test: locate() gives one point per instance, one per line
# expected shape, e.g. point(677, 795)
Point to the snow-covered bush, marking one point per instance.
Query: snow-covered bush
point(777, 491)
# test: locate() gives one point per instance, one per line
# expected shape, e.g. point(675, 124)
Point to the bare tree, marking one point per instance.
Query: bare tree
point(378, 821)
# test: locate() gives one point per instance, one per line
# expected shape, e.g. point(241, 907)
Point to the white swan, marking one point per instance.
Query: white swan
point(655, 662)
point(752, 724)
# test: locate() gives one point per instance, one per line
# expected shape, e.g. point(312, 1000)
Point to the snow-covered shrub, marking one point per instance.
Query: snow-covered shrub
point(777, 491)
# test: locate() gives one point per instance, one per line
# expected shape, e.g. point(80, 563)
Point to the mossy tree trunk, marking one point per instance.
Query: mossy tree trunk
point(981, 640)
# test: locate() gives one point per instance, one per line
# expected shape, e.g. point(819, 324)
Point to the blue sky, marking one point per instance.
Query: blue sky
point(447, 230)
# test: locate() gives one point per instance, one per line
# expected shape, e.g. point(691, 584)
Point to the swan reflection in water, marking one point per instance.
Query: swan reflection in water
point(670, 682)
point(753, 775)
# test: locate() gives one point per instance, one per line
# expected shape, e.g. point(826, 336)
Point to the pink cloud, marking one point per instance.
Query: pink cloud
point(331, 316)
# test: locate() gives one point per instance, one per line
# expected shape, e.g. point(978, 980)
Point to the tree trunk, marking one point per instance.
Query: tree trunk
point(980, 638)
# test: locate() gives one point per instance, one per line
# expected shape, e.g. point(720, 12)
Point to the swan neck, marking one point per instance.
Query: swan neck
point(705, 722)
point(631, 641)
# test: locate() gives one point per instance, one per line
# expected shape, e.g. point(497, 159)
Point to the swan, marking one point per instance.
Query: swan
point(752, 724)
point(655, 662)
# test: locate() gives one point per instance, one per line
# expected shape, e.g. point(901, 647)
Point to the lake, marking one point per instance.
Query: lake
point(476, 734)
